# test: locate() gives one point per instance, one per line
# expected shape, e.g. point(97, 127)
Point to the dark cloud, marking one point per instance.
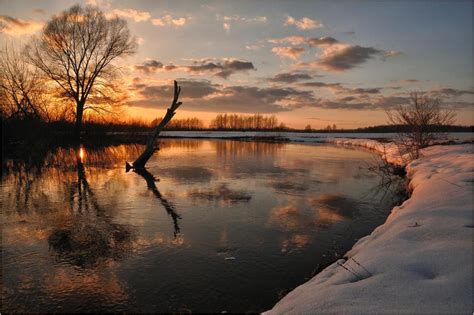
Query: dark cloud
point(359, 91)
point(361, 102)
point(191, 89)
point(409, 81)
point(246, 99)
point(348, 99)
point(316, 42)
point(336, 55)
point(387, 102)
point(149, 66)
point(238, 65)
point(289, 77)
point(202, 95)
point(340, 89)
point(344, 103)
point(170, 67)
point(321, 84)
point(346, 57)
point(454, 98)
point(450, 92)
point(204, 66)
point(222, 69)
point(301, 40)
point(5, 19)
point(365, 91)
point(232, 66)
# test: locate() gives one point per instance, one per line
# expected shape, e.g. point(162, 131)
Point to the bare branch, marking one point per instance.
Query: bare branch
point(22, 90)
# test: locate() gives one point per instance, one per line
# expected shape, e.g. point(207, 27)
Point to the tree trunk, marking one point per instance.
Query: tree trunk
point(150, 145)
point(78, 123)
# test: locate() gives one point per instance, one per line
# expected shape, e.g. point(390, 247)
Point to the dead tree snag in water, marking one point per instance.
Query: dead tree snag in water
point(150, 145)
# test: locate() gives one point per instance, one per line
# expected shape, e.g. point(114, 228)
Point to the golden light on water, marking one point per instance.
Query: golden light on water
point(81, 154)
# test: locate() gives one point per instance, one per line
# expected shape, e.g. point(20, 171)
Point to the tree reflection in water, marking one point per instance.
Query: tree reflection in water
point(90, 236)
point(169, 207)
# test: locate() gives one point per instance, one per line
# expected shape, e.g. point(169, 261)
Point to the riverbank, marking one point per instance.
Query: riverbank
point(419, 260)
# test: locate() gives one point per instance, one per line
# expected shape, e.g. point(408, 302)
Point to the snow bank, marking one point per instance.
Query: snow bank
point(419, 260)
point(388, 151)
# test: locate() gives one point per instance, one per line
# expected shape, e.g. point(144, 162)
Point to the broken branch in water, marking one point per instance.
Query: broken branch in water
point(150, 145)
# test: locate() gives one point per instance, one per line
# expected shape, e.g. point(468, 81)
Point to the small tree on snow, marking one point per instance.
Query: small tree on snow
point(420, 123)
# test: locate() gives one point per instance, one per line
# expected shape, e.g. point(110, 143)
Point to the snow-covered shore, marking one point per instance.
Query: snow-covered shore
point(419, 261)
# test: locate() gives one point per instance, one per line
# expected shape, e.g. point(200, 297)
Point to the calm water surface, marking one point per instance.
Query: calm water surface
point(212, 226)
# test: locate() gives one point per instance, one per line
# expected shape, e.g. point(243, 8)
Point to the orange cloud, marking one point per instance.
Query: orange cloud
point(18, 27)
point(168, 20)
point(137, 16)
point(304, 23)
point(288, 52)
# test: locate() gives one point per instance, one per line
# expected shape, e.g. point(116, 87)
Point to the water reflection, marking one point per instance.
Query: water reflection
point(332, 208)
point(321, 211)
point(169, 207)
point(186, 174)
point(80, 234)
point(221, 193)
point(289, 218)
point(295, 242)
point(233, 148)
point(290, 186)
point(89, 235)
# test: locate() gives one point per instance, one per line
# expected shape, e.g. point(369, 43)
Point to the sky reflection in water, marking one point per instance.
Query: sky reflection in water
point(210, 226)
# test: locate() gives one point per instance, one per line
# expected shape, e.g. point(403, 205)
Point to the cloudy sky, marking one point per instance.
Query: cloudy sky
point(307, 62)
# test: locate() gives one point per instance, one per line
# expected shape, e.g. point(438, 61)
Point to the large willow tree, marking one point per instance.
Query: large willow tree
point(77, 50)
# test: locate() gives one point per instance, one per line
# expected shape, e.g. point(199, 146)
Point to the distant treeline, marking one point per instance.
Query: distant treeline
point(246, 122)
point(34, 130)
point(405, 128)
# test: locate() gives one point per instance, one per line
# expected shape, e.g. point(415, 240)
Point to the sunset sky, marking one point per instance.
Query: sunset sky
point(307, 62)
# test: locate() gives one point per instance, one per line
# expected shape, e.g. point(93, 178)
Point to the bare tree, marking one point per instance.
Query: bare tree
point(77, 49)
point(150, 146)
point(419, 123)
point(22, 89)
